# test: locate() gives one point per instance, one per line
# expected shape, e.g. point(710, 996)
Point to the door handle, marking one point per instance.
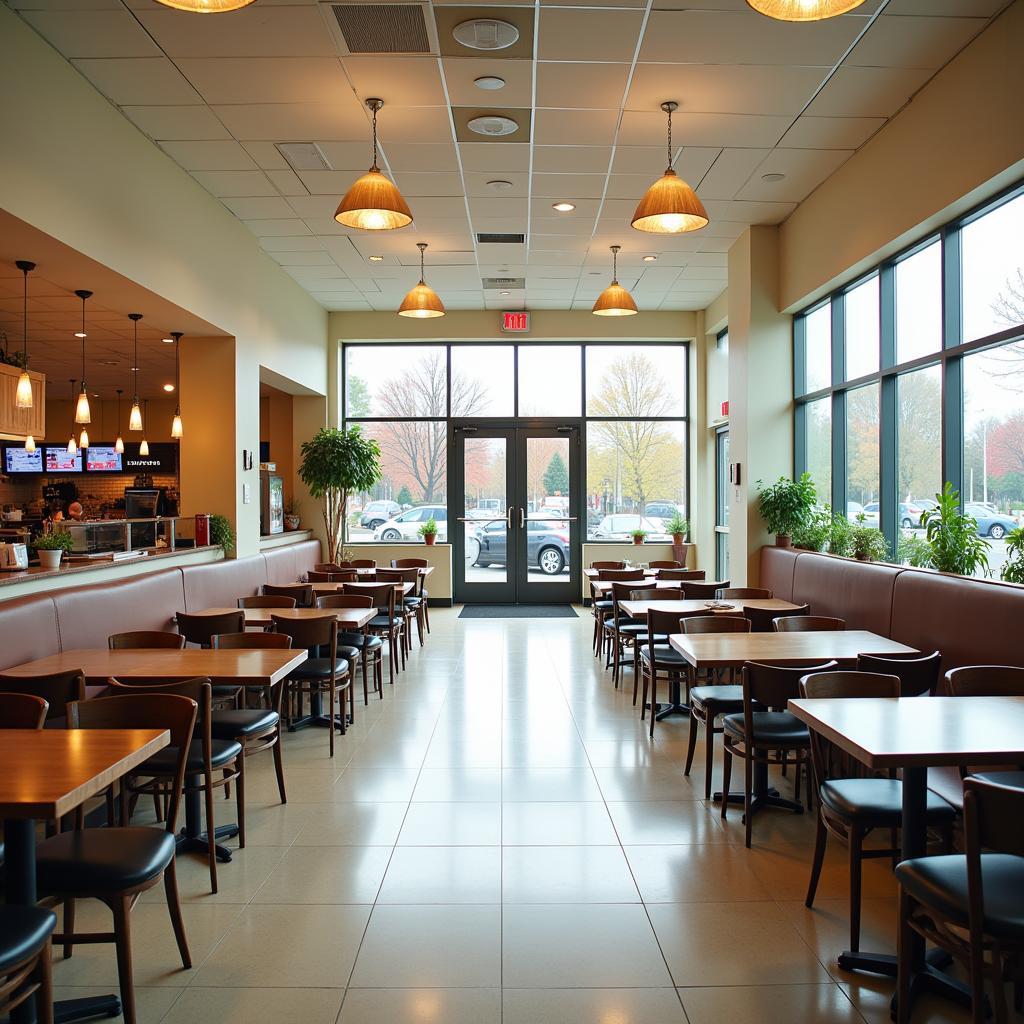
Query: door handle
point(508, 517)
point(522, 518)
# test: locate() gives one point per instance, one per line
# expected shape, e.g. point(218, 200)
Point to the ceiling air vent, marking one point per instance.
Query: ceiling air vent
point(383, 28)
point(506, 239)
point(491, 283)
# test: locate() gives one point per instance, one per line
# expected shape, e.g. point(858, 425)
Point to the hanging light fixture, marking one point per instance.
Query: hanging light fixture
point(374, 203)
point(803, 10)
point(615, 300)
point(422, 302)
point(30, 443)
point(23, 395)
point(670, 206)
point(135, 417)
point(206, 6)
point(82, 412)
point(176, 430)
point(72, 446)
point(119, 443)
point(144, 446)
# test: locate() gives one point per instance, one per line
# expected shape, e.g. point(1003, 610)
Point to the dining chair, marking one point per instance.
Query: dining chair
point(211, 763)
point(624, 631)
point(970, 905)
point(331, 566)
point(370, 647)
point(918, 675)
point(421, 583)
point(385, 623)
point(302, 592)
point(58, 689)
point(762, 620)
point(600, 609)
point(607, 565)
point(657, 659)
point(146, 639)
point(266, 601)
point(665, 563)
point(694, 590)
point(412, 607)
point(620, 575)
point(199, 629)
point(744, 593)
point(318, 576)
point(363, 563)
point(807, 623)
point(985, 681)
point(317, 675)
point(682, 575)
point(851, 802)
point(25, 961)
point(766, 734)
point(117, 865)
point(22, 711)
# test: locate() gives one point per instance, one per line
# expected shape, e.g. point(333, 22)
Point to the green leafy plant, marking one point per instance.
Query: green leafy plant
point(222, 532)
point(787, 504)
point(867, 542)
point(678, 524)
point(813, 534)
point(55, 540)
point(429, 528)
point(914, 551)
point(953, 536)
point(638, 536)
point(335, 464)
point(1013, 570)
point(840, 536)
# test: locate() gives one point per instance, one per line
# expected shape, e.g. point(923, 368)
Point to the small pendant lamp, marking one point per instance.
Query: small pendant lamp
point(615, 300)
point(206, 6)
point(144, 446)
point(119, 443)
point(72, 446)
point(30, 443)
point(176, 430)
point(135, 417)
point(670, 206)
point(23, 395)
point(82, 413)
point(373, 202)
point(803, 10)
point(422, 302)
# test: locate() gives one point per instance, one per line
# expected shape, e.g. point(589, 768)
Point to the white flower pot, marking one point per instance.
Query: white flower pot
point(50, 559)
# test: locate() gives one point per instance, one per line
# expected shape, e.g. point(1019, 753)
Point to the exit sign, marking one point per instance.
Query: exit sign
point(515, 323)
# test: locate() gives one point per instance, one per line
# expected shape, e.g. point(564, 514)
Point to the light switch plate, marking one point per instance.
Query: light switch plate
point(246, 494)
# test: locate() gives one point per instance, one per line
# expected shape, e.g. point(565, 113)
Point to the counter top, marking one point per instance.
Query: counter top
point(89, 564)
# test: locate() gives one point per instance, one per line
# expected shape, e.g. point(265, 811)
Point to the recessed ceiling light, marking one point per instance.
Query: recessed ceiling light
point(376, 259)
point(506, 293)
point(500, 184)
point(168, 341)
point(563, 207)
point(132, 369)
point(168, 387)
point(489, 82)
point(493, 125)
point(486, 34)
point(774, 176)
point(81, 334)
point(650, 259)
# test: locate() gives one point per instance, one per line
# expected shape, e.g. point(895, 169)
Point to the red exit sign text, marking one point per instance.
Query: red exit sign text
point(515, 323)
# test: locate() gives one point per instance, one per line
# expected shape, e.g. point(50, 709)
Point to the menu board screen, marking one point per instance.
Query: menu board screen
point(58, 460)
point(102, 460)
point(17, 460)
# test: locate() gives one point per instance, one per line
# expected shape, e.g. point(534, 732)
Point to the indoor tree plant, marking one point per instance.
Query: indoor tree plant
point(51, 546)
point(953, 536)
point(867, 544)
point(335, 464)
point(679, 527)
point(638, 536)
point(428, 531)
point(786, 505)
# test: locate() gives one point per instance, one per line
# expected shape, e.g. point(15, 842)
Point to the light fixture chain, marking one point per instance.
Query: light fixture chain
point(670, 137)
point(375, 137)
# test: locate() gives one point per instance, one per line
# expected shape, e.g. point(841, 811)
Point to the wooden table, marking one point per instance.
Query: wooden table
point(638, 609)
point(605, 586)
point(333, 588)
point(348, 618)
point(45, 774)
point(913, 734)
point(592, 574)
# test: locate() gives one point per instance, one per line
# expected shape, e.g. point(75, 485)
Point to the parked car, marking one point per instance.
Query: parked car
point(853, 509)
point(621, 527)
point(407, 525)
point(662, 509)
point(990, 524)
point(378, 512)
point(547, 546)
point(909, 514)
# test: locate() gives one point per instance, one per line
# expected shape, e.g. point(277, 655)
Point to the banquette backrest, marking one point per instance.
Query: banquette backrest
point(28, 629)
point(221, 584)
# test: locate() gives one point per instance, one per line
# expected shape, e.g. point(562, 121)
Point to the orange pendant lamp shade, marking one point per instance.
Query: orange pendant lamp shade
point(670, 206)
point(803, 10)
point(206, 6)
point(615, 300)
point(373, 203)
point(422, 302)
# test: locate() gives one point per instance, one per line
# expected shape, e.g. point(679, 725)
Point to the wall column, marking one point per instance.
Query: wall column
point(760, 391)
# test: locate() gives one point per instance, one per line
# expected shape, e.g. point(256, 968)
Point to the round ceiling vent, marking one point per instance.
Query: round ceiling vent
point(493, 124)
point(486, 34)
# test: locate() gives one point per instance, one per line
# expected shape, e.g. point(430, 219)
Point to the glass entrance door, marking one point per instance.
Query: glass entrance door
point(517, 537)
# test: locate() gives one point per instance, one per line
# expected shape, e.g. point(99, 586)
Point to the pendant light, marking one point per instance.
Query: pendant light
point(144, 446)
point(72, 446)
point(30, 443)
point(176, 430)
point(422, 302)
point(670, 206)
point(119, 443)
point(615, 300)
point(23, 395)
point(803, 10)
point(82, 413)
point(206, 6)
point(135, 417)
point(373, 203)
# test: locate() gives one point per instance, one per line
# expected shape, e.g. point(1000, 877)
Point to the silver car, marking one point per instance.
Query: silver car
point(621, 526)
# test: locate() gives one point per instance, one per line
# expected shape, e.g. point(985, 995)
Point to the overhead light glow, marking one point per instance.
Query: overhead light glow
point(803, 10)
point(168, 387)
point(563, 207)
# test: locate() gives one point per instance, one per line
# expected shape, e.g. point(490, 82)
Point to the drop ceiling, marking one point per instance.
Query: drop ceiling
point(756, 97)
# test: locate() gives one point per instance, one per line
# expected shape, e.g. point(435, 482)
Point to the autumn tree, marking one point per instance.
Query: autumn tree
point(919, 463)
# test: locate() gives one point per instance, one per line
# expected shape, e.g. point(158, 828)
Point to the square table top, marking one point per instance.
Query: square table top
point(48, 772)
point(423, 570)
point(352, 618)
point(724, 650)
point(333, 588)
point(593, 573)
point(638, 609)
point(251, 667)
point(884, 732)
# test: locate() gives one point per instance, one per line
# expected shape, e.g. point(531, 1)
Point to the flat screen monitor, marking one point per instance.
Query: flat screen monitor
point(58, 460)
point(17, 460)
point(102, 460)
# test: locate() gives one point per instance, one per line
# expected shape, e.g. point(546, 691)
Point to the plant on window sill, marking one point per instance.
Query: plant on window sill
point(953, 536)
point(638, 536)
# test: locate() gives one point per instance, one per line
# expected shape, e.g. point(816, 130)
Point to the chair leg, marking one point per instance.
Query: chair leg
point(654, 698)
point(820, 839)
point(174, 909)
point(279, 767)
point(44, 978)
point(856, 867)
point(709, 748)
point(426, 613)
point(330, 716)
point(366, 685)
point(748, 785)
point(120, 907)
point(211, 838)
point(69, 926)
point(903, 965)
point(691, 746)
point(240, 798)
point(726, 777)
point(393, 653)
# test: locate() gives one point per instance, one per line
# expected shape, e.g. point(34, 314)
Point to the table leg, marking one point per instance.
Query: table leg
point(192, 839)
point(316, 714)
point(764, 795)
point(675, 705)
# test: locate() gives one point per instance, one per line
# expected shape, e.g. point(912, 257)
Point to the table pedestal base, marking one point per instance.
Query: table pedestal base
point(185, 843)
point(86, 1009)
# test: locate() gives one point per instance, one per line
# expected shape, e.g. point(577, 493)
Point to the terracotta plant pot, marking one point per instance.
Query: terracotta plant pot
point(50, 559)
point(291, 522)
point(677, 539)
point(638, 541)
point(783, 540)
point(429, 538)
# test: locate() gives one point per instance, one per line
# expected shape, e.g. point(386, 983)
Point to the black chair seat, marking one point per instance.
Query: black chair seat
point(769, 727)
point(232, 724)
point(603, 605)
point(1008, 778)
point(664, 654)
point(319, 669)
point(878, 800)
point(99, 860)
point(632, 628)
point(23, 933)
point(323, 653)
point(941, 882)
point(382, 622)
point(728, 697)
point(220, 691)
point(412, 602)
point(164, 762)
point(360, 640)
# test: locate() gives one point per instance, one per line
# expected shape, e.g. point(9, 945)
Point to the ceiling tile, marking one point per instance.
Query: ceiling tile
point(739, 130)
point(176, 122)
point(287, 182)
point(576, 35)
point(867, 92)
point(730, 172)
point(804, 170)
point(427, 183)
point(294, 243)
point(575, 127)
point(509, 206)
point(350, 156)
point(404, 81)
point(236, 183)
point(477, 183)
point(436, 156)
point(91, 33)
point(292, 122)
point(495, 156)
point(946, 8)
point(138, 80)
point(263, 208)
point(270, 80)
point(461, 72)
point(909, 42)
point(413, 124)
point(266, 228)
point(831, 132)
point(581, 85)
point(314, 206)
point(266, 155)
point(209, 156)
point(570, 187)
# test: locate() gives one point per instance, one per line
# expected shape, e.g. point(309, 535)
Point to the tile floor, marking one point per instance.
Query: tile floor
point(499, 841)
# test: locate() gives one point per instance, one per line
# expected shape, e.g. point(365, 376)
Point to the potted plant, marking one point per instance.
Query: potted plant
point(1013, 570)
point(953, 536)
point(335, 464)
point(914, 551)
point(786, 505)
point(51, 546)
point(867, 544)
point(222, 532)
point(840, 537)
point(679, 528)
point(291, 514)
point(814, 533)
point(638, 536)
point(428, 531)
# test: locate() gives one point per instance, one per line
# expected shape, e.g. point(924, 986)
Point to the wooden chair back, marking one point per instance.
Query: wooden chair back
point(363, 563)
point(682, 575)
point(141, 639)
point(665, 563)
point(381, 597)
point(311, 633)
point(985, 681)
point(807, 623)
point(266, 601)
point(744, 594)
point(409, 563)
point(661, 621)
point(992, 817)
point(200, 629)
point(610, 575)
point(773, 686)
point(607, 565)
point(255, 641)
point(302, 592)
point(762, 620)
point(715, 624)
point(344, 601)
point(22, 711)
point(917, 675)
point(315, 576)
point(411, 575)
point(58, 689)
point(698, 591)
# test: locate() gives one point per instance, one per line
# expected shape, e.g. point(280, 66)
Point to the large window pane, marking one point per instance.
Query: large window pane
point(919, 304)
point(641, 380)
point(919, 451)
point(483, 380)
point(396, 380)
point(862, 452)
point(862, 326)
point(818, 346)
point(819, 447)
point(549, 380)
point(993, 271)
